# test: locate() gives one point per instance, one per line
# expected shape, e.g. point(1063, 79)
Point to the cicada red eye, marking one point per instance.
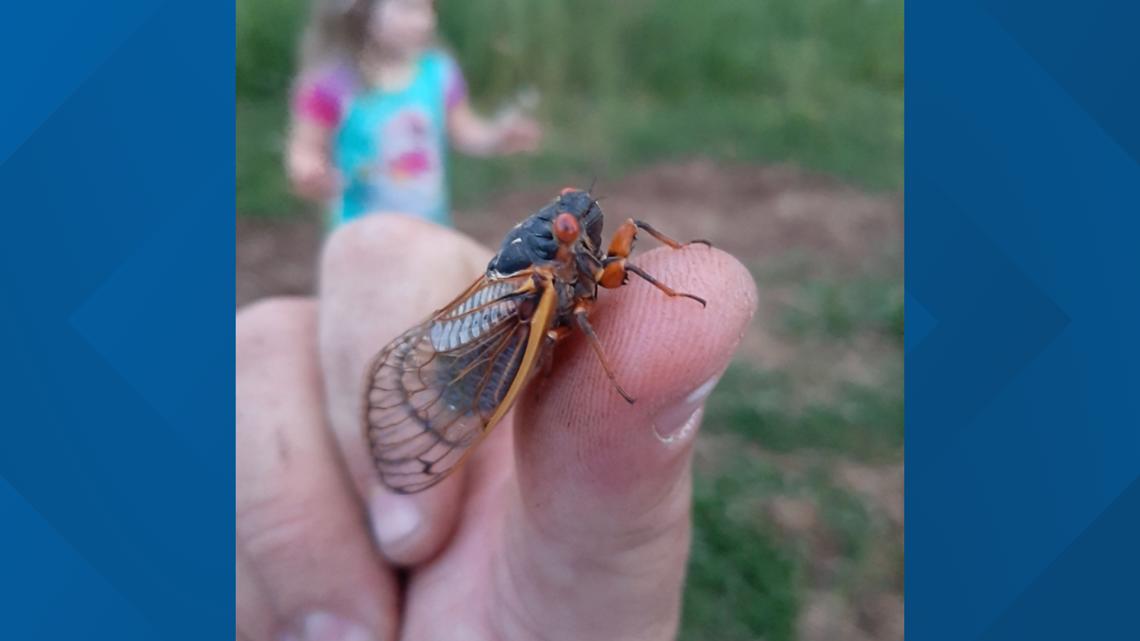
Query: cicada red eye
point(566, 228)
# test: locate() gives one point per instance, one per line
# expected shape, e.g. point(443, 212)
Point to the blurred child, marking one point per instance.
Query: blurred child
point(374, 106)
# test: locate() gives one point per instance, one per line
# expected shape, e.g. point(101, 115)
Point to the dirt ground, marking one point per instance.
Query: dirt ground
point(768, 217)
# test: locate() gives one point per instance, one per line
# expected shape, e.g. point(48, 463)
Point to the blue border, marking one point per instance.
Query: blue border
point(1023, 426)
point(117, 193)
point(1022, 356)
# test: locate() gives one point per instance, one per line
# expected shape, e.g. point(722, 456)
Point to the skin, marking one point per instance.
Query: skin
point(570, 521)
point(400, 31)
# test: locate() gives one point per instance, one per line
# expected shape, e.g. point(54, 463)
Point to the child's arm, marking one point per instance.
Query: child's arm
point(472, 134)
point(308, 161)
point(477, 136)
point(316, 112)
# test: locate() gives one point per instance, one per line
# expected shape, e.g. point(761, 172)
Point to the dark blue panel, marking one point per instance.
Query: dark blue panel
point(116, 463)
point(1023, 223)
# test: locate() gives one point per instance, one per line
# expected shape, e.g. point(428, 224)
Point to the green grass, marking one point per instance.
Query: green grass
point(782, 433)
point(742, 580)
point(840, 308)
point(262, 188)
point(765, 407)
point(818, 83)
point(746, 579)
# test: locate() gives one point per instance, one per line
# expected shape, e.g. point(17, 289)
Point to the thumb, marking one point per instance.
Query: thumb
point(602, 512)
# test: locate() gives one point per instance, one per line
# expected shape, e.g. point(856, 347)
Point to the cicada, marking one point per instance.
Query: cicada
point(433, 393)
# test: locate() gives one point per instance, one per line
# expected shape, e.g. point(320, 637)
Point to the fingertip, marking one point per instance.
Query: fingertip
point(666, 352)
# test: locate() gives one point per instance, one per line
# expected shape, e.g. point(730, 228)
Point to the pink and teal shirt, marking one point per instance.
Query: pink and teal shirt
point(390, 146)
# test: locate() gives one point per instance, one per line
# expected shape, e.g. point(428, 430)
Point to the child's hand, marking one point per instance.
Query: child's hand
point(519, 134)
point(509, 133)
point(312, 176)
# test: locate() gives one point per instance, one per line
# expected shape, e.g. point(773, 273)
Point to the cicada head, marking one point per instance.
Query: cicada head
point(585, 209)
point(573, 217)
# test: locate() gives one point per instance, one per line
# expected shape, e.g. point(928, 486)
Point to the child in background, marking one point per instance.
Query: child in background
point(374, 106)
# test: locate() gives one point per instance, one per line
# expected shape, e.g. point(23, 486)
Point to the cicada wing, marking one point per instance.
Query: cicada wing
point(438, 388)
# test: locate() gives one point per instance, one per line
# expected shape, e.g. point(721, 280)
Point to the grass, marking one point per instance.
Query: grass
point(746, 578)
point(742, 581)
point(860, 421)
point(782, 434)
point(818, 83)
point(840, 308)
point(262, 188)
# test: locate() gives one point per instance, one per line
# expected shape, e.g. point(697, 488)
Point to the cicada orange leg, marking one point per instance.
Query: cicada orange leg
point(616, 269)
point(649, 229)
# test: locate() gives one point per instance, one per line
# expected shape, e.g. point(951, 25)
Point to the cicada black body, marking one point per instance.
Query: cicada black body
point(440, 387)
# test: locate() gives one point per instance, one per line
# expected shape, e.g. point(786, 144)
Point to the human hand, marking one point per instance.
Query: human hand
point(518, 134)
point(570, 521)
point(311, 175)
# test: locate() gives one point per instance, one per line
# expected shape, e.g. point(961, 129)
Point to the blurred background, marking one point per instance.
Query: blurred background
point(774, 128)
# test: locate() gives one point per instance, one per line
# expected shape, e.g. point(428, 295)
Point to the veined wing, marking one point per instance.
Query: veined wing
point(438, 388)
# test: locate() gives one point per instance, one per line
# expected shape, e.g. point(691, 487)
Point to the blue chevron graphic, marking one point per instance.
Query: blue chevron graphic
point(1102, 33)
point(1107, 612)
point(47, 68)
